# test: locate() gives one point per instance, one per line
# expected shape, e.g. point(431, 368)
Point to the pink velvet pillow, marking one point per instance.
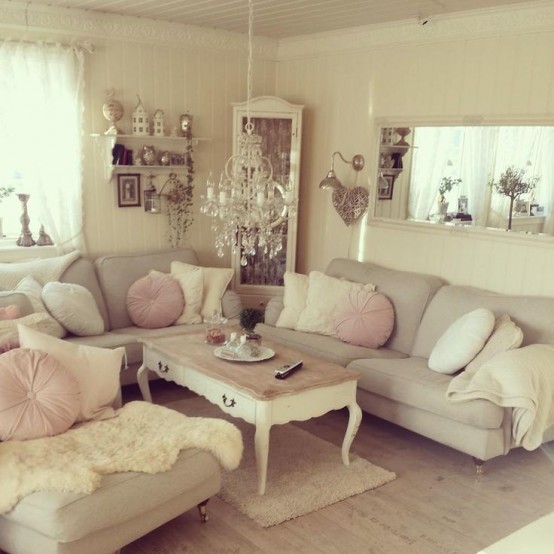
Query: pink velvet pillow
point(10, 312)
point(38, 396)
point(155, 301)
point(364, 318)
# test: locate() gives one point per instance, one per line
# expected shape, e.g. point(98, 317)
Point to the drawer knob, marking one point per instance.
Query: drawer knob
point(163, 368)
point(229, 402)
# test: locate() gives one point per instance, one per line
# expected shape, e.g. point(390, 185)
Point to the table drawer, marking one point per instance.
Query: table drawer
point(166, 369)
point(230, 401)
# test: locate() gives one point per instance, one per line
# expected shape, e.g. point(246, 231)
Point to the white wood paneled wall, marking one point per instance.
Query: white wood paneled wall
point(349, 92)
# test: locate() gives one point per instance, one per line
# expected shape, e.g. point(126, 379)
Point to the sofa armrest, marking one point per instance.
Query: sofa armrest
point(273, 310)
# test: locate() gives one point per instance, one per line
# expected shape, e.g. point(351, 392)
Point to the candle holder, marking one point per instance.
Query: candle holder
point(26, 237)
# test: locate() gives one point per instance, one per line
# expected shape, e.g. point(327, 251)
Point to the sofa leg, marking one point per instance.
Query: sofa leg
point(202, 511)
point(479, 466)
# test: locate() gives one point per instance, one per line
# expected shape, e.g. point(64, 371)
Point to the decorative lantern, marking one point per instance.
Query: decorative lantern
point(141, 120)
point(152, 199)
point(158, 121)
point(186, 125)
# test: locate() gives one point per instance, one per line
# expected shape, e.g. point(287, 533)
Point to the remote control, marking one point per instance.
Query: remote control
point(288, 369)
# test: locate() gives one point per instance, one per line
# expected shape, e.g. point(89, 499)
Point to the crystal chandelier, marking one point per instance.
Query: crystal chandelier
point(250, 208)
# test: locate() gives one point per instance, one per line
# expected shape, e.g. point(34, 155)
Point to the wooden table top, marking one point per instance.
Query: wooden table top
point(257, 378)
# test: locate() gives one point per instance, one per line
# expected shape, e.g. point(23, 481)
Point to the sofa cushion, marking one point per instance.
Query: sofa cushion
point(409, 293)
point(294, 299)
point(410, 381)
point(39, 321)
point(96, 369)
point(191, 281)
point(32, 289)
point(462, 341)
point(39, 397)
point(155, 300)
point(11, 311)
point(506, 335)
point(324, 296)
point(74, 307)
point(116, 273)
point(10, 298)
point(328, 348)
point(533, 314)
point(365, 318)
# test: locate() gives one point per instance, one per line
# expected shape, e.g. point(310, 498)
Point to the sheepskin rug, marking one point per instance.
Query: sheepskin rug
point(143, 437)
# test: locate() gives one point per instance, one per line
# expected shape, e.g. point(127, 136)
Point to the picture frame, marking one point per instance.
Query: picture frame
point(128, 190)
point(385, 187)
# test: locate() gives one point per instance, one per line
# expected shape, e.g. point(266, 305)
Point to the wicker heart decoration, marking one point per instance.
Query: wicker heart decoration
point(350, 204)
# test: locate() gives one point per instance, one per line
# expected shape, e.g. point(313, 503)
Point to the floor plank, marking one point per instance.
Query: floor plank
point(437, 505)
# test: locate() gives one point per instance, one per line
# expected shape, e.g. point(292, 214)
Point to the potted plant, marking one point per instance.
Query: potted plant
point(4, 193)
point(249, 318)
point(446, 185)
point(513, 184)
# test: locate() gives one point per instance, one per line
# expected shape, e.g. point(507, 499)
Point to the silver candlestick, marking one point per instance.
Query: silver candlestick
point(26, 237)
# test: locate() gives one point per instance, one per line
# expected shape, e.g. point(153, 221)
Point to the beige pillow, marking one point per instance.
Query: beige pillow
point(324, 295)
point(74, 307)
point(294, 299)
point(462, 341)
point(8, 327)
point(32, 289)
point(505, 336)
point(191, 281)
point(96, 369)
point(215, 281)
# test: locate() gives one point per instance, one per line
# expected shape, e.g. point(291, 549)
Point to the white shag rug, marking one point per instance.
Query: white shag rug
point(305, 473)
point(142, 437)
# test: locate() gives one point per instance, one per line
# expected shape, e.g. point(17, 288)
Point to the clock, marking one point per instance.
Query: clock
point(113, 112)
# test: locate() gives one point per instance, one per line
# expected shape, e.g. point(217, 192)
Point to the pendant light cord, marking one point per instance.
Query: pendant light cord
point(249, 71)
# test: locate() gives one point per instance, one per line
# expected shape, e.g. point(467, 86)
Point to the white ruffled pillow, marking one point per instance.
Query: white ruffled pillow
point(462, 341)
point(74, 307)
point(294, 299)
point(324, 295)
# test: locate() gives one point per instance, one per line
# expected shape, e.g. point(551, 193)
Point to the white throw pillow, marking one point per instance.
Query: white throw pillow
point(96, 369)
point(215, 281)
point(294, 299)
point(32, 289)
point(506, 335)
point(462, 341)
point(74, 307)
point(324, 295)
point(192, 285)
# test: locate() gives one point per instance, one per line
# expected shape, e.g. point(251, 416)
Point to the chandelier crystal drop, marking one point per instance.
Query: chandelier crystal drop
point(248, 207)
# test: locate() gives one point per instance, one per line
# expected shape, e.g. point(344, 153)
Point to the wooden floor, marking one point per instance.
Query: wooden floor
point(436, 505)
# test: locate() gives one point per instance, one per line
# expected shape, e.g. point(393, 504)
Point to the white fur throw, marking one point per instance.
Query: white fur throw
point(43, 270)
point(143, 437)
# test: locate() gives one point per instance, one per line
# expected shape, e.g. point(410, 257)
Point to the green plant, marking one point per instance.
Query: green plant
point(5, 192)
point(179, 205)
point(513, 184)
point(447, 184)
point(250, 317)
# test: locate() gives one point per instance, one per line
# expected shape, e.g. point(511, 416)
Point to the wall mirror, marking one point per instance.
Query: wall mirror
point(442, 175)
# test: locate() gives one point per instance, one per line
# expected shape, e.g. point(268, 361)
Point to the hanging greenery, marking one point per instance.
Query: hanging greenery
point(179, 203)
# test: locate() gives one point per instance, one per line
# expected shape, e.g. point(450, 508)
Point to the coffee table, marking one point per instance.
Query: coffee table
point(249, 390)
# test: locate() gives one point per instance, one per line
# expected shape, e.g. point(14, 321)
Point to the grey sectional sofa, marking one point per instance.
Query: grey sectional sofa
point(396, 383)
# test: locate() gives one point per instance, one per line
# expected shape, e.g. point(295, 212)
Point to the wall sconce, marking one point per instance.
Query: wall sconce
point(331, 181)
point(350, 203)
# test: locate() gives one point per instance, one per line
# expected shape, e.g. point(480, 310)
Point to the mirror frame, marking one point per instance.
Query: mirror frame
point(474, 120)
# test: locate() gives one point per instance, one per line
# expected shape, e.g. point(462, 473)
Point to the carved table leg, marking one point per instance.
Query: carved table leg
point(202, 511)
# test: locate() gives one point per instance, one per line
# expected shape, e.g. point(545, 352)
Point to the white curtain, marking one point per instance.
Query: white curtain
point(432, 152)
point(41, 89)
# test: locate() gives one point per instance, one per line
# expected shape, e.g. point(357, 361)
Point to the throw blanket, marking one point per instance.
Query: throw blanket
point(43, 270)
point(522, 379)
point(142, 437)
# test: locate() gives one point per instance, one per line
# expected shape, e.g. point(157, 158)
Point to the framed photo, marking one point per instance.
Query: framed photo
point(384, 188)
point(128, 190)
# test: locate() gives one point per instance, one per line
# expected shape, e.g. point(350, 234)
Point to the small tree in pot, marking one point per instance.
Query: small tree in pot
point(249, 318)
point(512, 183)
point(446, 185)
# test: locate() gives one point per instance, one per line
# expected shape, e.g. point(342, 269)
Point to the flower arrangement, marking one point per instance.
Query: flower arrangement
point(513, 184)
point(249, 318)
point(446, 185)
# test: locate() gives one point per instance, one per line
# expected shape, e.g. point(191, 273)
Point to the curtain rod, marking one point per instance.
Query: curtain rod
point(86, 45)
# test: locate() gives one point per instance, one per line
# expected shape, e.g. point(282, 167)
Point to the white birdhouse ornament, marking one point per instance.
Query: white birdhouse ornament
point(141, 120)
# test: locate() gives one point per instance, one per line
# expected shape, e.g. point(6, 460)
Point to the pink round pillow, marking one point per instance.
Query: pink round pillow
point(364, 318)
point(155, 301)
point(39, 397)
